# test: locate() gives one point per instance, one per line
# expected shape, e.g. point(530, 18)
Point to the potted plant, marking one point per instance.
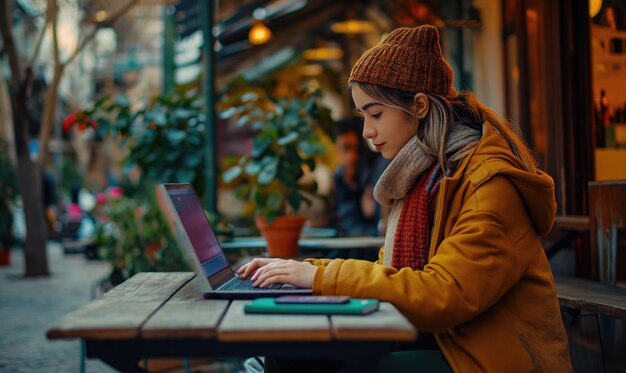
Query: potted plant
point(8, 191)
point(287, 132)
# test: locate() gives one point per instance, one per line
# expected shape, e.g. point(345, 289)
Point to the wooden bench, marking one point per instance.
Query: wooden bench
point(593, 348)
point(591, 296)
point(572, 222)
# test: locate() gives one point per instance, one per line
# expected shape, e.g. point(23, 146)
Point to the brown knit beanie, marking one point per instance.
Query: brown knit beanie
point(409, 59)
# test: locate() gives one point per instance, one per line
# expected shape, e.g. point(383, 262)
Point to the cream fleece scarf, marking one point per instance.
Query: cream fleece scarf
point(404, 170)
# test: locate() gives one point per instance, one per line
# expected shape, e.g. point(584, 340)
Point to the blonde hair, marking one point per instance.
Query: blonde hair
point(464, 108)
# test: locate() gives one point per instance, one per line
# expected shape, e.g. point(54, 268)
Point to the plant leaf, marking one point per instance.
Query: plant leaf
point(156, 116)
point(294, 200)
point(192, 159)
point(253, 168)
point(185, 176)
point(269, 172)
point(228, 113)
point(231, 174)
point(308, 148)
point(275, 201)
point(259, 146)
point(287, 139)
point(175, 137)
point(242, 191)
point(249, 96)
point(243, 120)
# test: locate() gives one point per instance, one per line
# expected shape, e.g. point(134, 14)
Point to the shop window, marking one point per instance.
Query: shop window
point(608, 46)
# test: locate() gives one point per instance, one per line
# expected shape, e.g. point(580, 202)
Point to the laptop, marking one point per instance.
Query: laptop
point(203, 251)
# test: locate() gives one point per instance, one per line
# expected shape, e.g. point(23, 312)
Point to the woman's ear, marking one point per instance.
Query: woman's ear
point(421, 104)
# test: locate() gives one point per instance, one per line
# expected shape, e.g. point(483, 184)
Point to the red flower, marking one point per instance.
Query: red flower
point(79, 117)
point(67, 122)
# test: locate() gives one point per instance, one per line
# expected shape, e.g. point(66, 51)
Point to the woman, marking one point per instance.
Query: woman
point(462, 257)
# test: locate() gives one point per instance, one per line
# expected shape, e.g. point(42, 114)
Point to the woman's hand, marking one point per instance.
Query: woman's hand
point(271, 270)
point(249, 268)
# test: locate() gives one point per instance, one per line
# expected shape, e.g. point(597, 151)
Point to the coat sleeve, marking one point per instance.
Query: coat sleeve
point(326, 262)
point(474, 266)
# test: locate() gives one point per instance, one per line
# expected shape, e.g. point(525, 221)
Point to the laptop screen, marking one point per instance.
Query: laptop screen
point(203, 241)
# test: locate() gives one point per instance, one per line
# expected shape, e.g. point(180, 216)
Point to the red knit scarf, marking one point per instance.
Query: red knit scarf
point(412, 240)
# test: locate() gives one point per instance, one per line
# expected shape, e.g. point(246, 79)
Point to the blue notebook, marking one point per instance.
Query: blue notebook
point(352, 307)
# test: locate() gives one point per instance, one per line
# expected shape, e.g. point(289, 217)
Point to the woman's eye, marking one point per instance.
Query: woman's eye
point(376, 116)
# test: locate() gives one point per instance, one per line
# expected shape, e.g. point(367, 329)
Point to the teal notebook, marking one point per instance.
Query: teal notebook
point(353, 307)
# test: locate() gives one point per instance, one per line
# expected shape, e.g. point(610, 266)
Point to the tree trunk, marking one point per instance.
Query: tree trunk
point(29, 178)
point(35, 255)
point(49, 109)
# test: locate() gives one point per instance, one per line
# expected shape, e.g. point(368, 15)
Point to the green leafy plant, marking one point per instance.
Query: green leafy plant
point(8, 194)
point(286, 142)
point(135, 237)
point(164, 137)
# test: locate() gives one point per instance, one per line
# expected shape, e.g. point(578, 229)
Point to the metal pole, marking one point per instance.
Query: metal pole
point(210, 195)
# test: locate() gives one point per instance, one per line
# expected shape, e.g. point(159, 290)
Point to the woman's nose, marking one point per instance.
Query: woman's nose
point(368, 131)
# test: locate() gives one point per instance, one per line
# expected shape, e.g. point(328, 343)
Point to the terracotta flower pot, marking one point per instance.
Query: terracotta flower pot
point(282, 235)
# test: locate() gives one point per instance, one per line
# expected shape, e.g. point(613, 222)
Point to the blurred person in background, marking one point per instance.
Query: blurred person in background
point(50, 201)
point(356, 209)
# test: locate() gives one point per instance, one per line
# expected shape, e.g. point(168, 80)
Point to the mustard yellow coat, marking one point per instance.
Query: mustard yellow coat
point(487, 291)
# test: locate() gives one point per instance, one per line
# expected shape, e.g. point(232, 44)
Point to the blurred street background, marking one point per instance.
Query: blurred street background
point(28, 306)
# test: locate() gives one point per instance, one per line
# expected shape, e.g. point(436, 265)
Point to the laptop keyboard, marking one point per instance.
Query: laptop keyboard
point(245, 284)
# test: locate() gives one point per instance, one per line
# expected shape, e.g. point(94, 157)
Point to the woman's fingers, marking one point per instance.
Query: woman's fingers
point(263, 271)
point(248, 269)
point(271, 277)
point(289, 271)
point(275, 279)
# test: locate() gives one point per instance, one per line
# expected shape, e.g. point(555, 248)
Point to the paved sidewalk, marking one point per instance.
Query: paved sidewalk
point(28, 307)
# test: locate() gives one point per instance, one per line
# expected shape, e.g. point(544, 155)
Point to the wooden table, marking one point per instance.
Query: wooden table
point(327, 247)
point(164, 315)
point(327, 243)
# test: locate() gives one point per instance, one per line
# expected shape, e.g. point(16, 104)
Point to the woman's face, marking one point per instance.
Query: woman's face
point(388, 128)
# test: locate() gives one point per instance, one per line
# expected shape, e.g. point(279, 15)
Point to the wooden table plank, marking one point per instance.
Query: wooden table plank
point(120, 313)
point(103, 319)
point(238, 326)
point(388, 324)
point(150, 286)
point(186, 315)
point(591, 296)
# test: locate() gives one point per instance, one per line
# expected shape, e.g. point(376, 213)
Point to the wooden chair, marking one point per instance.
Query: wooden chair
point(607, 212)
point(600, 299)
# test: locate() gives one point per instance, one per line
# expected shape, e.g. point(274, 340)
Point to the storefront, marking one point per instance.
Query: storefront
point(565, 70)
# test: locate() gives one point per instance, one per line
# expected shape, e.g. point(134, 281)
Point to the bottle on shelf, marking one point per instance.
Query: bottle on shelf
point(602, 117)
point(609, 133)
